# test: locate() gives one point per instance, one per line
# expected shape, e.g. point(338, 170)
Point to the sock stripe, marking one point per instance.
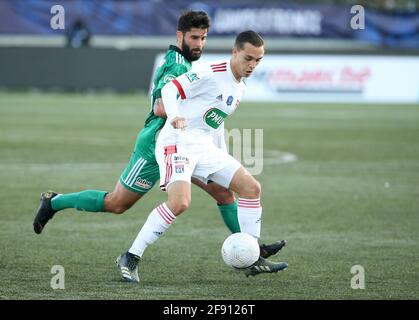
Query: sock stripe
point(168, 211)
point(166, 216)
point(249, 200)
point(162, 215)
point(249, 203)
point(244, 206)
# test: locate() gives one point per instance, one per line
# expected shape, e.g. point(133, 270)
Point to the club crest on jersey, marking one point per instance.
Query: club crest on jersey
point(214, 117)
point(229, 100)
point(192, 76)
point(180, 168)
point(168, 78)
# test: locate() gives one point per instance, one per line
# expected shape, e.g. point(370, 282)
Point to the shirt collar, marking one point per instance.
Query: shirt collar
point(176, 48)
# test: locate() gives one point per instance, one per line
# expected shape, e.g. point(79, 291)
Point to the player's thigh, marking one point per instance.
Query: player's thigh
point(174, 166)
point(244, 184)
point(179, 196)
point(221, 174)
point(220, 194)
point(140, 175)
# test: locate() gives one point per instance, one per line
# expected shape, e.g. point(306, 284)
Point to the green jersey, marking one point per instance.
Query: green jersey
point(174, 65)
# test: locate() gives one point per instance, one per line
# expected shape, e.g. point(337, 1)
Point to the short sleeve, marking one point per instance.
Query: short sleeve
point(194, 83)
point(171, 72)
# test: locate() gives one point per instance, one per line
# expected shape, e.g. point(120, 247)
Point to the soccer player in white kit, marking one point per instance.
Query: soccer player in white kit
point(196, 105)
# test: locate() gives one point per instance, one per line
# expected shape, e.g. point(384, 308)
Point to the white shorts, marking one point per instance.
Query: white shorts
point(209, 163)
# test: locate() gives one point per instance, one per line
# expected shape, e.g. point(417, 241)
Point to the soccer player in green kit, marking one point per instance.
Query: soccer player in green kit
point(142, 171)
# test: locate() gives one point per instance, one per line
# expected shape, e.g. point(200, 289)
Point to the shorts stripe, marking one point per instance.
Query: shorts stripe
point(168, 169)
point(132, 171)
point(135, 171)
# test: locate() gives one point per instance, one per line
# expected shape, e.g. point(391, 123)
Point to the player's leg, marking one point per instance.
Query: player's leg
point(249, 212)
point(249, 209)
point(51, 203)
point(121, 199)
point(158, 221)
point(137, 179)
point(175, 177)
point(177, 183)
point(226, 203)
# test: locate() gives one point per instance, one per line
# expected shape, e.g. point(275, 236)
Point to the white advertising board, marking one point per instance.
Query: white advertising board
point(331, 78)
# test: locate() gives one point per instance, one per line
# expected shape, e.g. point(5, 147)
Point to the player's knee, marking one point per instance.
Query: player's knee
point(224, 196)
point(179, 205)
point(113, 206)
point(256, 189)
point(119, 209)
point(252, 190)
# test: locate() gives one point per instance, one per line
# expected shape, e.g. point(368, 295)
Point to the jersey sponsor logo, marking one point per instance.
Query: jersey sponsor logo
point(142, 183)
point(214, 117)
point(192, 76)
point(229, 100)
point(180, 168)
point(169, 77)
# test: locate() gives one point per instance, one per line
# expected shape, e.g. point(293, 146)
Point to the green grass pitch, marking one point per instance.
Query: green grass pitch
point(351, 198)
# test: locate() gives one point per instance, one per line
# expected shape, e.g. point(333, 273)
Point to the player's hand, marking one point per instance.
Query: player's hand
point(179, 123)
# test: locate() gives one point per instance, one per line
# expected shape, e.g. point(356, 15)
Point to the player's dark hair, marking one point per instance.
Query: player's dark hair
point(248, 36)
point(193, 19)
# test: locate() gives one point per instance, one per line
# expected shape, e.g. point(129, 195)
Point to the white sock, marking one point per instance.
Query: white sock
point(157, 222)
point(249, 214)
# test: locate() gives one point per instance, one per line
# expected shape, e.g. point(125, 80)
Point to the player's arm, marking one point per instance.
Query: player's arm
point(158, 108)
point(186, 86)
point(173, 70)
point(169, 95)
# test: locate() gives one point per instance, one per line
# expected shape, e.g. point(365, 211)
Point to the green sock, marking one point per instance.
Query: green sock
point(229, 214)
point(88, 200)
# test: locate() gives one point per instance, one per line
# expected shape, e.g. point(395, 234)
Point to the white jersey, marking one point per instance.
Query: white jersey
point(207, 94)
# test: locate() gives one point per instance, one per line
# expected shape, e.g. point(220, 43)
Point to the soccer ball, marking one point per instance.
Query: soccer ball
point(240, 250)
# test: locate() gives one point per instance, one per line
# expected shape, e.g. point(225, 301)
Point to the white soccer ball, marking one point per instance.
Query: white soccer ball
point(240, 250)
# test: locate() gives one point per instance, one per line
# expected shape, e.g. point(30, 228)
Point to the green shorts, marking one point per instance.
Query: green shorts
point(140, 175)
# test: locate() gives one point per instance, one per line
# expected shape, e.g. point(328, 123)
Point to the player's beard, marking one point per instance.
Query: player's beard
point(190, 55)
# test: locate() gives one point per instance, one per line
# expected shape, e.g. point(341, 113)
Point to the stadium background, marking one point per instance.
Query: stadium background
point(69, 115)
